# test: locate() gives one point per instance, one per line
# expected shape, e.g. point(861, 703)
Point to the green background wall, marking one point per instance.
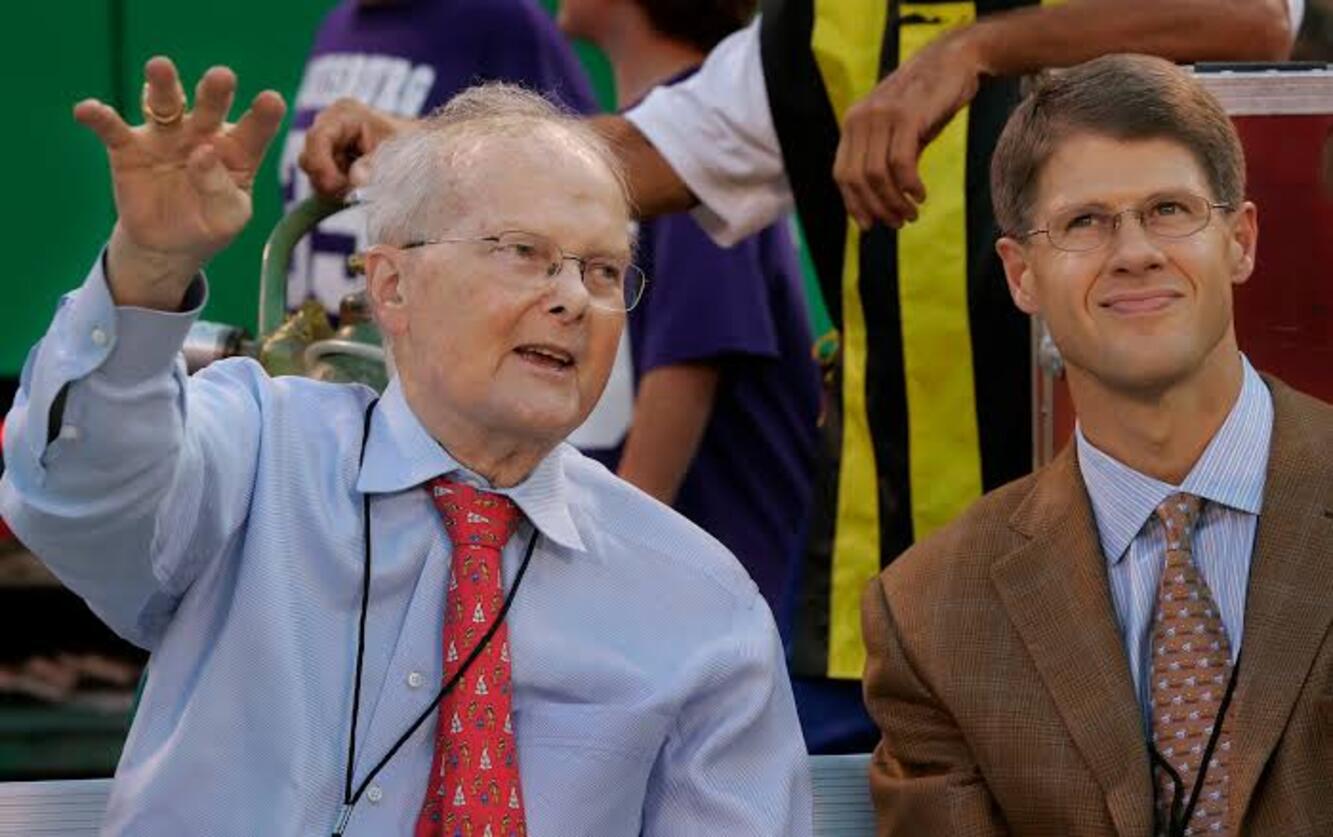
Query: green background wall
point(58, 208)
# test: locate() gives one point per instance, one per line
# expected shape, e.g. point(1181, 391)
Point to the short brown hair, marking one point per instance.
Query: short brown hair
point(699, 23)
point(1125, 97)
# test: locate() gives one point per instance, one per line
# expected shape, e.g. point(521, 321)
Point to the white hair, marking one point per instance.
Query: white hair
point(413, 177)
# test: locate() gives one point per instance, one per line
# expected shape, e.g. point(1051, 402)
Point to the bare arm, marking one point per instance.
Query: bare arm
point(654, 186)
point(670, 414)
point(344, 134)
point(1027, 40)
point(883, 134)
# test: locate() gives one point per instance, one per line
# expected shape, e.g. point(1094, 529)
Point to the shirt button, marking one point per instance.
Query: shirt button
point(415, 680)
point(100, 337)
point(374, 793)
point(69, 432)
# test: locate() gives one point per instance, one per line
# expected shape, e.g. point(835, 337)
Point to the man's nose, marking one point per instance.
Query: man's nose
point(1132, 248)
point(568, 295)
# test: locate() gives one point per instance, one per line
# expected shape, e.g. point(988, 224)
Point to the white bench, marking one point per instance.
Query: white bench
point(53, 809)
point(842, 796)
point(75, 808)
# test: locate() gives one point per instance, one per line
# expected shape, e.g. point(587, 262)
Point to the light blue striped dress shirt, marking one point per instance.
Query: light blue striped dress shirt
point(1229, 476)
point(217, 521)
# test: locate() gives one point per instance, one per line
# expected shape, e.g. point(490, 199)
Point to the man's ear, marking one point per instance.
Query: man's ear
point(1243, 241)
point(386, 288)
point(1018, 274)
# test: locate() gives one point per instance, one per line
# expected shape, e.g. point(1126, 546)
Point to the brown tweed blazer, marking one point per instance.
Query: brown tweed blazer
point(997, 674)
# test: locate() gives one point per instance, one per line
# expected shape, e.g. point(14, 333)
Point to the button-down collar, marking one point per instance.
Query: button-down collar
point(1230, 472)
point(401, 454)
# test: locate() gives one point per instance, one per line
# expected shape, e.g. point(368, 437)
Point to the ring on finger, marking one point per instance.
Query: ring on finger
point(165, 120)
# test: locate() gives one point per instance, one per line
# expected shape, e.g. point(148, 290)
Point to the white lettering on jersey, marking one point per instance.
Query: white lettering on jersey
point(387, 82)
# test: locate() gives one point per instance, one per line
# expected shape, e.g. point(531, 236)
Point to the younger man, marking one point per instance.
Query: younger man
point(1066, 658)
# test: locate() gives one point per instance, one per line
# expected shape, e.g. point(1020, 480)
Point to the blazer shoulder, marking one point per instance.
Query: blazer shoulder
point(959, 555)
point(1312, 414)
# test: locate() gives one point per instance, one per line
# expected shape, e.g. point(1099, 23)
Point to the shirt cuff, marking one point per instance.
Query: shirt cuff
point(88, 334)
point(127, 344)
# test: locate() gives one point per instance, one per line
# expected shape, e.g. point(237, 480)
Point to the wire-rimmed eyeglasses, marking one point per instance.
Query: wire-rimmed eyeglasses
point(1082, 229)
point(612, 284)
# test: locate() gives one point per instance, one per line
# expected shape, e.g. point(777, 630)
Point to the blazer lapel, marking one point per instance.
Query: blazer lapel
point(1289, 603)
point(1056, 593)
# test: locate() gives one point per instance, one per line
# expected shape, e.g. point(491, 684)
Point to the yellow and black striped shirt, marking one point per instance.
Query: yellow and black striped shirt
point(929, 393)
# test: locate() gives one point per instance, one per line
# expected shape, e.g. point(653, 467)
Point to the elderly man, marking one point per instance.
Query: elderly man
point(422, 615)
point(1136, 639)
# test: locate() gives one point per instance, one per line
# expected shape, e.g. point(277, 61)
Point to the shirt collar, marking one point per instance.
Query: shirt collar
point(400, 454)
point(1230, 472)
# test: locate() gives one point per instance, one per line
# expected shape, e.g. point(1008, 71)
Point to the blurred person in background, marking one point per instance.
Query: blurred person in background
point(726, 391)
point(1315, 41)
point(408, 57)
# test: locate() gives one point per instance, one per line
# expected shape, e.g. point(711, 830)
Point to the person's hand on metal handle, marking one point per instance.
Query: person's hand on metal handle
point(338, 144)
point(182, 179)
point(884, 133)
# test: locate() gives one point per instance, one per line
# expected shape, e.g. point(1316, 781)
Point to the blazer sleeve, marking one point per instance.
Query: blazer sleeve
point(923, 777)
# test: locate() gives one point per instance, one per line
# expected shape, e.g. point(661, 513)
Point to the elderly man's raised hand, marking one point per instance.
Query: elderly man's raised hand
point(339, 142)
point(182, 180)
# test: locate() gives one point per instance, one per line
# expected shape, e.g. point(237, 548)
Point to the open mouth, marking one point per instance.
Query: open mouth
point(546, 357)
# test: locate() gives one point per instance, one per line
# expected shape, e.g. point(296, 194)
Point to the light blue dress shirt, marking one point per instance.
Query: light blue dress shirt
point(217, 520)
point(1229, 476)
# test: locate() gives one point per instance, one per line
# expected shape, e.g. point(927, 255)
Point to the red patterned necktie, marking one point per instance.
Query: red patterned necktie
point(474, 788)
point(1191, 665)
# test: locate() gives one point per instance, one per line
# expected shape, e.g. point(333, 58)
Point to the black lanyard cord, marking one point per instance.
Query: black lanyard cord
point(361, 630)
point(1177, 788)
point(349, 798)
point(1208, 750)
point(1176, 827)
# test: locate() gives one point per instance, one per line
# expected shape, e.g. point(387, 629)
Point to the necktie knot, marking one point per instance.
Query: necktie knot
point(1179, 513)
point(473, 516)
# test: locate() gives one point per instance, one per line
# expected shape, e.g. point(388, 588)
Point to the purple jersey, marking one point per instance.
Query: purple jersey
point(408, 58)
point(741, 309)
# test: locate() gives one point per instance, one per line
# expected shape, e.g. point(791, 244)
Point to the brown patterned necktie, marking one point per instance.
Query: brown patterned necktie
point(1191, 666)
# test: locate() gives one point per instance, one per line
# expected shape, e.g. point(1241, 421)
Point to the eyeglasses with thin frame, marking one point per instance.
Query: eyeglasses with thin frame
point(1172, 216)
point(612, 284)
